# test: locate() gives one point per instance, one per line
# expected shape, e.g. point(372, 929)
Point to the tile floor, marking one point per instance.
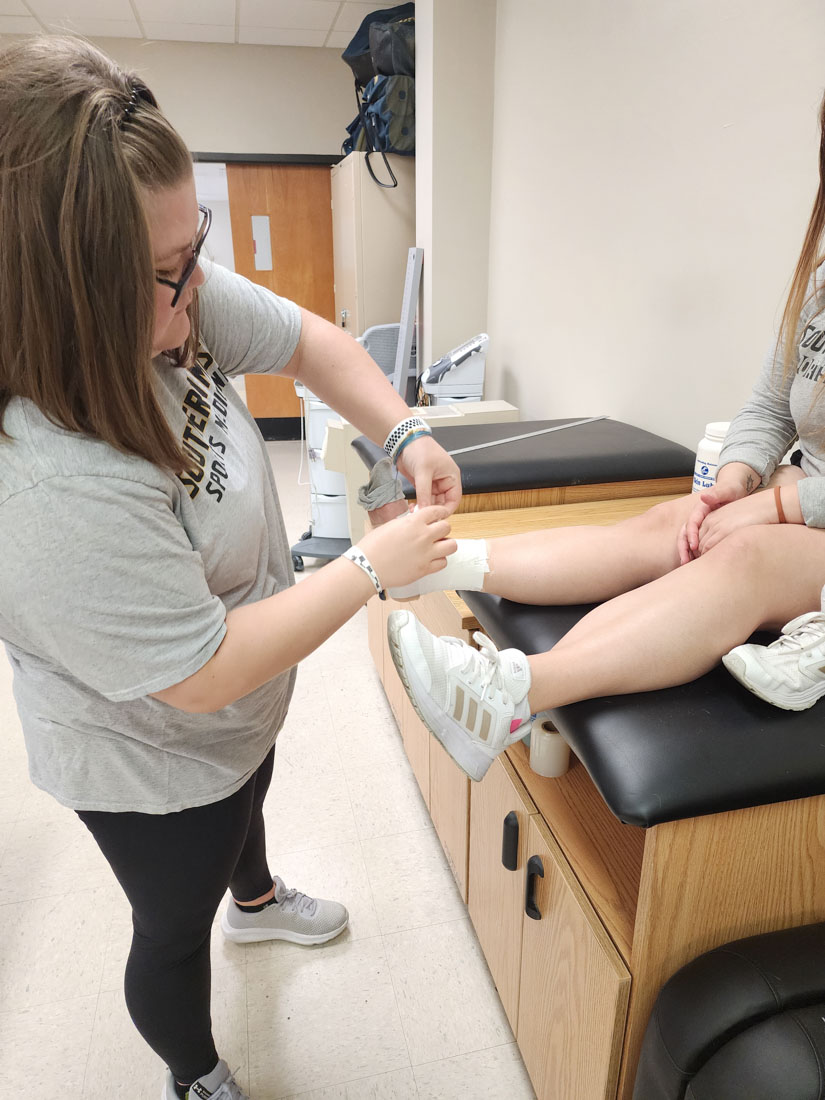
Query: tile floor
point(401, 1006)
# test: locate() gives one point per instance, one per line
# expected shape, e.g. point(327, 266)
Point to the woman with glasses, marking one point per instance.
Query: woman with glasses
point(146, 595)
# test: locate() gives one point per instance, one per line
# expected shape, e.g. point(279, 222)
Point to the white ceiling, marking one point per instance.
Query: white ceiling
point(329, 23)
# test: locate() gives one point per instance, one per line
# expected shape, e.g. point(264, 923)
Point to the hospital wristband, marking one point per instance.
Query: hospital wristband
point(357, 555)
point(403, 433)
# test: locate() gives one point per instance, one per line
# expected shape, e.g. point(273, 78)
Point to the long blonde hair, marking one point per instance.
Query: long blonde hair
point(803, 283)
point(77, 290)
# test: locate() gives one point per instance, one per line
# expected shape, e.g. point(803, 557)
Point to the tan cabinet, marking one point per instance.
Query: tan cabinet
point(558, 974)
point(574, 985)
point(373, 229)
point(499, 818)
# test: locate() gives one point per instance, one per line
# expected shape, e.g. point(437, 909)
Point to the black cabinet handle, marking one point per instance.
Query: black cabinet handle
point(509, 841)
point(534, 867)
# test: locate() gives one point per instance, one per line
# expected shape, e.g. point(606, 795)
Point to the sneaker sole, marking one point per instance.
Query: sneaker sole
point(737, 667)
point(258, 935)
point(472, 759)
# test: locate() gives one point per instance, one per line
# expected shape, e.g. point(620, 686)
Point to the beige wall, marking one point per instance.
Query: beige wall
point(455, 51)
point(654, 166)
point(246, 99)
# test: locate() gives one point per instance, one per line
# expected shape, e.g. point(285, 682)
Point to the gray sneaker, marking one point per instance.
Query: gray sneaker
point(294, 917)
point(220, 1084)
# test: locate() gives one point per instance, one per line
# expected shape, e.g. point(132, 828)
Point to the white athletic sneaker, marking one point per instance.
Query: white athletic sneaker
point(473, 701)
point(790, 672)
point(294, 917)
point(220, 1084)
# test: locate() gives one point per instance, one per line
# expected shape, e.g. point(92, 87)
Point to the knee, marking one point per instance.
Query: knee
point(742, 552)
point(664, 519)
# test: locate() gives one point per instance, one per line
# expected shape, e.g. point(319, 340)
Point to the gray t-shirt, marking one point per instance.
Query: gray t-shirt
point(780, 411)
point(116, 577)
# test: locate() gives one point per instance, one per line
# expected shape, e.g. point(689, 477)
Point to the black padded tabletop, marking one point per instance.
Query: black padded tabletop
point(583, 454)
point(702, 748)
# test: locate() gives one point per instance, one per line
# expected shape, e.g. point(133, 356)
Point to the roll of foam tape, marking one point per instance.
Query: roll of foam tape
point(549, 752)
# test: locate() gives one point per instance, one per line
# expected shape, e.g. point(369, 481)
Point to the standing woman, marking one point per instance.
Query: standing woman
point(146, 595)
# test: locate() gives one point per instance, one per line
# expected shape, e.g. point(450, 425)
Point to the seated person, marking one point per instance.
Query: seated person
point(677, 587)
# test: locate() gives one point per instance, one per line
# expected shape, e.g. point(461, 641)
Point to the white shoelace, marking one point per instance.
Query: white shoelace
point(812, 631)
point(481, 667)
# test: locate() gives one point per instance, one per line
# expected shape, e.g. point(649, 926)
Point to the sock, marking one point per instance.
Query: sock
point(181, 1090)
point(465, 569)
point(256, 908)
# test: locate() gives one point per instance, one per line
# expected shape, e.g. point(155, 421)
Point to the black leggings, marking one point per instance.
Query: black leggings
point(174, 869)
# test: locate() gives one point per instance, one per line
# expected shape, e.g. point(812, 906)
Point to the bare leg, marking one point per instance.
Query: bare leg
point(586, 564)
point(676, 627)
point(568, 565)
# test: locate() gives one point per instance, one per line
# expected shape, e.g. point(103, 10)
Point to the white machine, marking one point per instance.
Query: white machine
point(328, 533)
point(457, 376)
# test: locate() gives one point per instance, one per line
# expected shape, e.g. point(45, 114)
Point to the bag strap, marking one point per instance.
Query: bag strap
point(389, 169)
point(370, 144)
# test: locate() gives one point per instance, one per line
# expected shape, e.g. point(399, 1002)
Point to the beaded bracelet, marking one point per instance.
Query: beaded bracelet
point(356, 555)
point(398, 436)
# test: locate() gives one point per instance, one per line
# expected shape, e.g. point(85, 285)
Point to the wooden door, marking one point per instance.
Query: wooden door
point(574, 985)
point(296, 199)
point(498, 805)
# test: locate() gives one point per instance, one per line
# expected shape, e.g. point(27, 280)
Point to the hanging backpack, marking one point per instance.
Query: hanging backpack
point(382, 58)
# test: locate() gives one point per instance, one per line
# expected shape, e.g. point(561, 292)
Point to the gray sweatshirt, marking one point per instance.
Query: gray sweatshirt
point(116, 577)
point(782, 411)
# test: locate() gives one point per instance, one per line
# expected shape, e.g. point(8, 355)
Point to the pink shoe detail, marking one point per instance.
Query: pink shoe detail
point(517, 723)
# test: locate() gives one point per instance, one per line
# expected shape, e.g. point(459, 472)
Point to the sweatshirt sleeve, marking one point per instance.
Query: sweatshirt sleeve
point(763, 429)
point(812, 500)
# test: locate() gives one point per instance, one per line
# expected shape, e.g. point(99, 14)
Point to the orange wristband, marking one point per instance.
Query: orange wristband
point(779, 509)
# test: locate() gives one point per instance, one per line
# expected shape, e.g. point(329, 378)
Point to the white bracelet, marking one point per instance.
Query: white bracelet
point(402, 430)
point(357, 555)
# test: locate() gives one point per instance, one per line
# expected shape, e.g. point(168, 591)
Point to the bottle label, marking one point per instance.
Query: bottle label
point(704, 475)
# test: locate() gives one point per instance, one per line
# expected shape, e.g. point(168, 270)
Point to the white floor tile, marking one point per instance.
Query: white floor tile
point(307, 809)
point(399, 1085)
point(44, 1050)
point(446, 997)
point(387, 800)
point(496, 1074)
point(120, 1066)
point(50, 948)
point(320, 1017)
point(411, 881)
point(49, 857)
point(368, 740)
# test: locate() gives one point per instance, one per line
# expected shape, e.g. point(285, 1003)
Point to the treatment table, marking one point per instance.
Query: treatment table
point(689, 817)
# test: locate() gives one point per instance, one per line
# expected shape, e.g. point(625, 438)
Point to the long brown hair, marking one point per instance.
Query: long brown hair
point(77, 290)
point(803, 284)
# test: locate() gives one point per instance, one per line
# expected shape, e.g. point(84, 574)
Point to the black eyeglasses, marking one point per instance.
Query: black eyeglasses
point(192, 263)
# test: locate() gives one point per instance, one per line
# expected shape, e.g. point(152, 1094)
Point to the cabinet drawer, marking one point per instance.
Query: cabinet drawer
point(574, 985)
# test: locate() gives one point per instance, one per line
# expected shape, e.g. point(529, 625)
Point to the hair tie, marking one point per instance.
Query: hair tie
point(129, 109)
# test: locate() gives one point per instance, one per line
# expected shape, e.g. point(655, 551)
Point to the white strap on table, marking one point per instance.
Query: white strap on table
point(527, 435)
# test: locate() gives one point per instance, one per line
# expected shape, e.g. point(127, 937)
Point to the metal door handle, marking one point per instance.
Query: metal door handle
point(509, 841)
point(534, 867)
